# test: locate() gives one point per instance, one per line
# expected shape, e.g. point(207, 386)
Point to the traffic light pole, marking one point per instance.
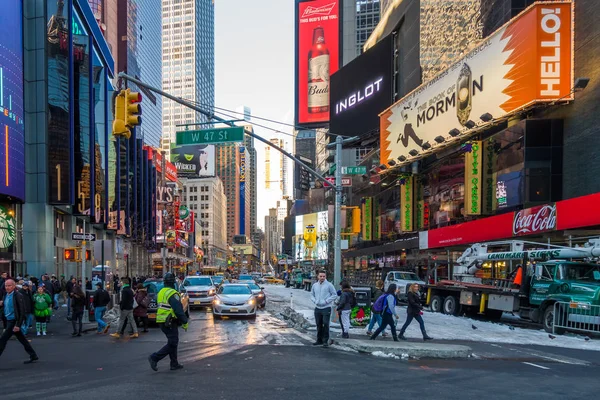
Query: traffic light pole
point(337, 267)
point(86, 316)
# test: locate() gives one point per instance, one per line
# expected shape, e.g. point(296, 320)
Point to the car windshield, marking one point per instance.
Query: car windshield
point(407, 276)
point(253, 286)
point(245, 278)
point(235, 290)
point(580, 272)
point(197, 282)
point(217, 279)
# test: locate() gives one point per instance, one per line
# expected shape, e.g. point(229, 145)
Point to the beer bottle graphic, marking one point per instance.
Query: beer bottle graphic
point(463, 94)
point(318, 74)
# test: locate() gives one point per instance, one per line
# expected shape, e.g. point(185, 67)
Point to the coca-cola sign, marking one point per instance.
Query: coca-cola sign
point(535, 220)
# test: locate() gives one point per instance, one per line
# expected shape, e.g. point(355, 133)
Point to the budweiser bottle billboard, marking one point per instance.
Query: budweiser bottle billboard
point(318, 73)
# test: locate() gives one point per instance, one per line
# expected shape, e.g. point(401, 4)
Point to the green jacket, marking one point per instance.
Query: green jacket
point(42, 304)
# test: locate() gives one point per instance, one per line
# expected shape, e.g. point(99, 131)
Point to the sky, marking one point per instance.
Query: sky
point(254, 67)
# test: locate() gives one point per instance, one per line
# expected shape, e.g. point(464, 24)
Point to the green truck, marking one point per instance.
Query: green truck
point(552, 289)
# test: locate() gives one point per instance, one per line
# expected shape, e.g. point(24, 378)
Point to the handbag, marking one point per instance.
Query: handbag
point(135, 303)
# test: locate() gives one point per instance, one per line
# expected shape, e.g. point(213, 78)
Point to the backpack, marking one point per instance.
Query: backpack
point(379, 304)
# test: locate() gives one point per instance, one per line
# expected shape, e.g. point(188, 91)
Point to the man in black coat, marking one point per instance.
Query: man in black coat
point(13, 306)
point(28, 302)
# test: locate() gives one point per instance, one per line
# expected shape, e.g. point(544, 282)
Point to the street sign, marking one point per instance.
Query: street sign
point(361, 170)
point(214, 135)
point(83, 236)
point(345, 181)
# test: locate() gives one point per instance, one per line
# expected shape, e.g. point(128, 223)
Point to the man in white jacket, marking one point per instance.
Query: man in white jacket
point(323, 294)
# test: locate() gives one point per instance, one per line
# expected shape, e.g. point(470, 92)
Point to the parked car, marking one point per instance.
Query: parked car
point(200, 290)
point(153, 286)
point(271, 279)
point(402, 279)
point(217, 279)
point(259, 293)
point(234, 300)
point(245, 278)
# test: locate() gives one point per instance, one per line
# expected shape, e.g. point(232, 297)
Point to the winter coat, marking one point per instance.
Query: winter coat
point(126, 298)
point(101, 298)
point(376, 294)
point(414, 304)
point(19, 307)
point(142, 309)
point(27, 301)
point(42, 305)
point(77, 303)
point(346, 300)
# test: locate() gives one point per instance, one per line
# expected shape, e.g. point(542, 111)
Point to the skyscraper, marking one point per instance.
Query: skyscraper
point(276, 169)
point(188, 43)
point(360, 18)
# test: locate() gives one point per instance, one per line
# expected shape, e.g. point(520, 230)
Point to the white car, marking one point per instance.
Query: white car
point(234, 300)
point(200, 289)
point(402, 279)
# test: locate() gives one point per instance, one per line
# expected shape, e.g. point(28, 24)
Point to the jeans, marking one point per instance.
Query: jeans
point(374, 318)
point(98, 314)
point(322, 318)
point(170, 349)
point(69, 310)
point(20, 337)
point(77, 317)
point(387, 319)
point(127, 318)
point(345, 320)
point(56, 300)
point(409, 319)
point(27, 323)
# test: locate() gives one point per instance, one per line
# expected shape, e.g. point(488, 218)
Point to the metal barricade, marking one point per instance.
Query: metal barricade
point(580, 317)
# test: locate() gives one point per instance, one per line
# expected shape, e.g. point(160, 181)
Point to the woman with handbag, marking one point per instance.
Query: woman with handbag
point(140, 313)
point(414, 311)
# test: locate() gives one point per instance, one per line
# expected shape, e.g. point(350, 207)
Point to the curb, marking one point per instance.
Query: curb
point(407, 349)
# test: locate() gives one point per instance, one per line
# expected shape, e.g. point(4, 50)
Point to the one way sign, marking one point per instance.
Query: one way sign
point(90, 237)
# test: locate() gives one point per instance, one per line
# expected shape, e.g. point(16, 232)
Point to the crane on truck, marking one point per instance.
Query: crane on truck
point(548, 276)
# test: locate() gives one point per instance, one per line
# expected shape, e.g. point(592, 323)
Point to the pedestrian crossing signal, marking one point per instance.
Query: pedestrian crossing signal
point(70, 254)
point(88, 255)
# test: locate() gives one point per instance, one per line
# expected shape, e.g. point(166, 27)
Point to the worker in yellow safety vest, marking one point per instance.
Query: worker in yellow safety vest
point(169, 316)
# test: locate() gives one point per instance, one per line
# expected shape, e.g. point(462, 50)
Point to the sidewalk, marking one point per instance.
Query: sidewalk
point(404, 349)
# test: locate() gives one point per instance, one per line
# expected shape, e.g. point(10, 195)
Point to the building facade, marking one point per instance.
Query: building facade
point(188, 69)
point(272, 240)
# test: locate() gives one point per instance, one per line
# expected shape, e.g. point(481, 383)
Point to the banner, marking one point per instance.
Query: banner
point(489, 202)
point(527, 61)
point(407, 204)
point(473, 175)
point(368, 218)
point(376, 219)
point(194, 160)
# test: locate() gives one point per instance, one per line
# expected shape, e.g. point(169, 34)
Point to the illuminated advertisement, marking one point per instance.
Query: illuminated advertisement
point(12, 148)
point(317, 57)
point(311, 240)
point(171, 170)
point(242, 190)
point(526, 62)
point(194, 160)
point(473, 178)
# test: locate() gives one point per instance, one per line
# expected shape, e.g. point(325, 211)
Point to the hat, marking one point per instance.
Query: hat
point(26, 283)
point(99, 284)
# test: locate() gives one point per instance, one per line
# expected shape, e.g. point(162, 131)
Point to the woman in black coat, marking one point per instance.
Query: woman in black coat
point(77, 305)
point(413, 311)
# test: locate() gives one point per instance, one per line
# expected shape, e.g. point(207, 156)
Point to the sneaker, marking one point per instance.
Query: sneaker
point(385, 334)
point(115, 335)
point(74, 334)
point(38, 334)
point(135, 335)
point(317, 344)
point(153, 364)
point(31, 360)
point(43, 333)
point(369, 333)
point(176, 367)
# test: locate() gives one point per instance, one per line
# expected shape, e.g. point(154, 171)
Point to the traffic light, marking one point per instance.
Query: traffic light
point(88, 255)
point(127, 113)
point(70, 254)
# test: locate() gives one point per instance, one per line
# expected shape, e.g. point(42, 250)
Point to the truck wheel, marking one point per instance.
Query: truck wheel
point(451, 306)
point(437, 303)
point(548, 320)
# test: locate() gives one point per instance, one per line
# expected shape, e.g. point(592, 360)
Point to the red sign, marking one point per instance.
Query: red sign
point(345, 181)
point(170, 173)
point(534, 220)
point(579, 212)
point(317, 34)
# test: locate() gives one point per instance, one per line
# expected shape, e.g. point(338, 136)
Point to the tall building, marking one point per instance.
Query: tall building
point(276, 169)
point(360, 17)
point(272, 240)
point(188, 62)
point(252, 180)
point(140, 21)
point(206, 198)
point(305, 149)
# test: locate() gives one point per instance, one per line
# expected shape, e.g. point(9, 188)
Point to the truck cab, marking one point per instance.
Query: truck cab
point(402, 279)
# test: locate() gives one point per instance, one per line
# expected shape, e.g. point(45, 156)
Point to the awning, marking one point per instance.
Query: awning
point(410, 242)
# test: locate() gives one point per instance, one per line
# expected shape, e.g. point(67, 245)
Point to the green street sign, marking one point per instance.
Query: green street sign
point(214, 135)
point(361, 170)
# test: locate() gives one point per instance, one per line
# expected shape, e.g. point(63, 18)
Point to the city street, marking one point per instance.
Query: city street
point(230, 359)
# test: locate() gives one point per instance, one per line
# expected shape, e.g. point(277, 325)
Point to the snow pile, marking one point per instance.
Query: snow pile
point(445, 327)
point(384, 355)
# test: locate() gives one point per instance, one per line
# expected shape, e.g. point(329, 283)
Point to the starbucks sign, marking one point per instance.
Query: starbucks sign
point(8, 233)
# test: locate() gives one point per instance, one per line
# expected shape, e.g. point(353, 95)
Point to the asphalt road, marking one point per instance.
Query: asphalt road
point(233, 359)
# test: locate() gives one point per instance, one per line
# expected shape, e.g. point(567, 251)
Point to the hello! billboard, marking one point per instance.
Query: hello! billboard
point(527, 61)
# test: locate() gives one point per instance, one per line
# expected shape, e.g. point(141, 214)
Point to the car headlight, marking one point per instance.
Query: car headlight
point(211, 292)
point(216, 301)
point(251, 301)
point(261, 295)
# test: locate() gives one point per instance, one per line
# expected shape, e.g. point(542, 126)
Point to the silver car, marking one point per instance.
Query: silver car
point(234, 300)
point(200, 289)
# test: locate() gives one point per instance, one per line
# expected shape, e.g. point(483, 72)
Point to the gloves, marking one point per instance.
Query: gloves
point(185, 326)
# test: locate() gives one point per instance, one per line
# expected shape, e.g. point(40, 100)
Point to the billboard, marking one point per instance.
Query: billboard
point(171, 170)
point(361, 90)
point(242, 190)
point(12, 147)
point(194, 160)
point(311, 241)
point(527, 61)
point(317, 57)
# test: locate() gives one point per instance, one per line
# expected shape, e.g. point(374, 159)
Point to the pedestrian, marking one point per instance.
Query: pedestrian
point(375, 315)
point(101, 300)
point(347, 301)
point(414, 311)
point(170, 316)
point(388, 313)
point(3, 278)
point(69, 287)
point(63, 288)
point(77, 307)
point(42, 309)
point(88, 284)
point(14, 311)
point(57, 289)
point(140, 313)
point(28, 302)
point(323, 295)
point(126, 318)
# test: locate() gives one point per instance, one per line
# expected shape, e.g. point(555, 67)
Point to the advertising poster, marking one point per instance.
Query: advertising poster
point(361, 90)
point(311, 240)
point(242, 190)
point(12, 148)
point(317, 57)
point(473, 178)
point(367, 210)
point(407, 204)
point(527, 61)
point(194, 160)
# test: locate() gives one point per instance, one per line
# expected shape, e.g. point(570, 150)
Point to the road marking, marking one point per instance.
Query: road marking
point(535, 365)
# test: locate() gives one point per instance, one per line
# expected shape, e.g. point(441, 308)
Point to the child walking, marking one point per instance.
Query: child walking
point(42, 309)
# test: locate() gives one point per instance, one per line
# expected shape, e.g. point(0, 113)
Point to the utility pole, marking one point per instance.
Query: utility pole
point(86, 316)
point(337, 247)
